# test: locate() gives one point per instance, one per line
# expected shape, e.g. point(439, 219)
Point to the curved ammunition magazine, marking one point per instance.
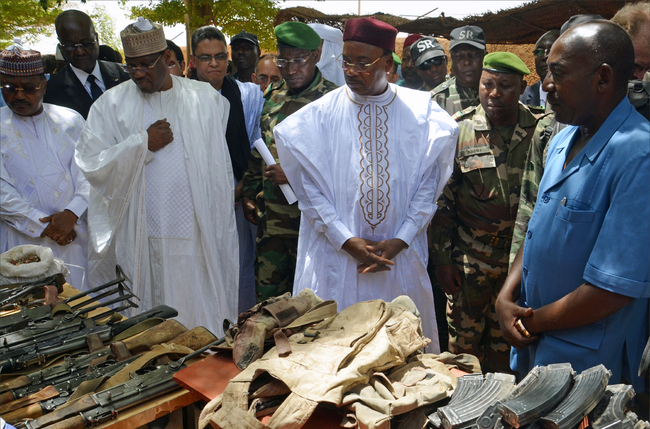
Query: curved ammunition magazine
point(465, 413)
point(587, 390)
point(538, 393)
point(465, 386)
point(610, 411)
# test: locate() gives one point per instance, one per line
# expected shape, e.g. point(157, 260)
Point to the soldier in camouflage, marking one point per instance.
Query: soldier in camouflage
point(466, 49)
point(472, 231)
point(263, 201)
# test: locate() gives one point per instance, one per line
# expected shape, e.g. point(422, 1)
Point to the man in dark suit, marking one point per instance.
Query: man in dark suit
point(533, 95)
point(85, 78)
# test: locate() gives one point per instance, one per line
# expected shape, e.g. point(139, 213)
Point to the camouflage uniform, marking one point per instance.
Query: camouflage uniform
point(454, 99)
point(474, 224)
point(277, 231)
point(530, 184)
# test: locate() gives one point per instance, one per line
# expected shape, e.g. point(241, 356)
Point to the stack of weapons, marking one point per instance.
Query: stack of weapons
point(90, 349)
point(549, 397)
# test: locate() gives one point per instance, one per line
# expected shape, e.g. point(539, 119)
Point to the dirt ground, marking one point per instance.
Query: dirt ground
point(525, 52)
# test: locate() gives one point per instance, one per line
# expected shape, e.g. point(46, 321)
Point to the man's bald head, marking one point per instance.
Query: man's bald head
point(549, 36)
point(602, 42)
point(78, 39)
point(73, 17)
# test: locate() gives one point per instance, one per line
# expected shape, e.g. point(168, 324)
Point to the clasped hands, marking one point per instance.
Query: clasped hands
point(60, 228)
point(508, 313)
point(373, 256)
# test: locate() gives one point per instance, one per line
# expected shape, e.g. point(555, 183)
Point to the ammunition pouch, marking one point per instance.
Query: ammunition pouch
point(272, 321)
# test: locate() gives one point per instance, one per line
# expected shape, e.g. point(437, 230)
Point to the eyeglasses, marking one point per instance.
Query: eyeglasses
point(206, 59)
point(437, 62)
point(73, 47)
point(132, 69)
point(27, 90)
point(541, 52)
point(358, 67)
point(299, 62)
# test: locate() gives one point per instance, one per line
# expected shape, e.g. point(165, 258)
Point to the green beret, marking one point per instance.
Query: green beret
point(504, 62)
point(297, 35)
point(396, 59)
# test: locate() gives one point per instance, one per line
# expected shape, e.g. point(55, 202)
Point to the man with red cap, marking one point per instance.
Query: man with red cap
point(367, 162)
point(410, 74)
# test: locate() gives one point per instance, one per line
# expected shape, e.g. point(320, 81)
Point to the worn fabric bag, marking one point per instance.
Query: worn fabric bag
point(271, 322)
point(326, 361)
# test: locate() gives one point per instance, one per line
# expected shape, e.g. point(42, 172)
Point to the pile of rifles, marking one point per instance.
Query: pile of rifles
point(56, 355)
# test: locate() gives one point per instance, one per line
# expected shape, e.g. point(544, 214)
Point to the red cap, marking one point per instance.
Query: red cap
point(411, 38)
point(371, 31)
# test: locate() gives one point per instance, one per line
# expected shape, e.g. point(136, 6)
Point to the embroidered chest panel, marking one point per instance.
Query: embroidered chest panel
point(373, 142)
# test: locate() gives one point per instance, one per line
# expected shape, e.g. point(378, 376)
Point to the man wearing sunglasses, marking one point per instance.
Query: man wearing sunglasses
point(162, 197)
point(466, 49)
point(430, 61)
point(534, 95)
point(367, 162)
point(299, 49)
point(85, 78)
point(43, 194)
point(210, 59)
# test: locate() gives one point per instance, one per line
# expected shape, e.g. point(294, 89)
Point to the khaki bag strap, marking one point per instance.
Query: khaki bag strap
point(317, 314)
point(293, 413)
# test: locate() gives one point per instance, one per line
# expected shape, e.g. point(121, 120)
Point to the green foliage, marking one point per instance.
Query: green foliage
point(26, 19)
point(105, 27)
point(231, 16)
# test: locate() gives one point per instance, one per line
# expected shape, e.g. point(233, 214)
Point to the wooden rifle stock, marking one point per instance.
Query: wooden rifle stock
point(42, 395)
point(76, 422)
point(31, 412)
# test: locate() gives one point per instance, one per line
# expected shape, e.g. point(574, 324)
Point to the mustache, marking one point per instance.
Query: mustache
point(20, 103)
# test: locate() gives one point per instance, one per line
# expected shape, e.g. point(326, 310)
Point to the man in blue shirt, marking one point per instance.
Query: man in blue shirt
point(578, 290)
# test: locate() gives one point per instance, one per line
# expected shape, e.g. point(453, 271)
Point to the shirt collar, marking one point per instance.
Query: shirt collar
point(83, 76)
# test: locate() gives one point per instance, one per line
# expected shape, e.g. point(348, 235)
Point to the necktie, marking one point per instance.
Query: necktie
point(95, 90)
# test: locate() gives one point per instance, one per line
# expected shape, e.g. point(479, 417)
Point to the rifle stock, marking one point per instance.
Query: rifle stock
point(41, 395)
point(76, 422)
point(31, 412)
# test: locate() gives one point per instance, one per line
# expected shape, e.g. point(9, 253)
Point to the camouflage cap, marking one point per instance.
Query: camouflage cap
point(297, 35)
point(504, 62)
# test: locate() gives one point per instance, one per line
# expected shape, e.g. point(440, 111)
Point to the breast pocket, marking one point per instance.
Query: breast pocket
point(478, 166)
point(576, 224)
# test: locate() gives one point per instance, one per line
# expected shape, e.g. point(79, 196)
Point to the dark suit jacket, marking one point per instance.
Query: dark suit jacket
point(64, 88)
point(530, 97)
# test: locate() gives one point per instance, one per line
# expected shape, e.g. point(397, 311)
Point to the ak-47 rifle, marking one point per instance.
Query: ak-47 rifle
point(24, 291)
point(22, 319)
point(34, 353)
point(78, 366)
point(53, 397)
point(94, 409)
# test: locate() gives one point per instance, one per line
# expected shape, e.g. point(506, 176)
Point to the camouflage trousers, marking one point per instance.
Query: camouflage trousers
point(471, 316)
point(275, 265)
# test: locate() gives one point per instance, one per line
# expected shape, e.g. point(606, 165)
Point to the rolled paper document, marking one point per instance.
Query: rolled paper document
point(268, 158)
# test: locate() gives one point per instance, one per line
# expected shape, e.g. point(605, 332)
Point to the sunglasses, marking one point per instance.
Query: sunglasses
point(437, 61)
point(28, 89)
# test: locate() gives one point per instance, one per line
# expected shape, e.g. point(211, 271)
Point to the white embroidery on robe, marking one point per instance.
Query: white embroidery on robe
point(374, 175)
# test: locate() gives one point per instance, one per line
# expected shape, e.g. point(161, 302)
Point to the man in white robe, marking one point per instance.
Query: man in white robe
point(162, 202)
point(367, 162)
point(43, 194)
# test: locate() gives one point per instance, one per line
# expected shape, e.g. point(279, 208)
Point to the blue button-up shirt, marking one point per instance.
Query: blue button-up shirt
point(591, 223)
